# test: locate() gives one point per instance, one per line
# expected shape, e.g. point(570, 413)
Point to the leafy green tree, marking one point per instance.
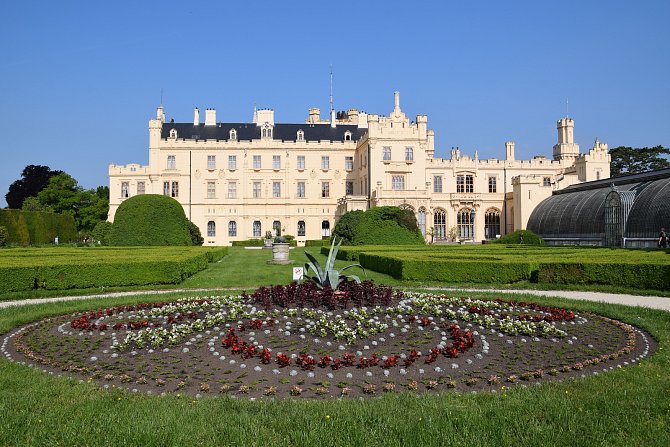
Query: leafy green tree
point(383, 225)
point(33, 204)
point(101, 232)
point(34, 179)
point(196, 237)
point(631, 160)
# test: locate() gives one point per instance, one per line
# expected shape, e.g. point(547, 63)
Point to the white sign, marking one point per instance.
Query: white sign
point(297, 273)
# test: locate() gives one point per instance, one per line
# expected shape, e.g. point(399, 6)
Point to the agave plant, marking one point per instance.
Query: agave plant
point(328, 276)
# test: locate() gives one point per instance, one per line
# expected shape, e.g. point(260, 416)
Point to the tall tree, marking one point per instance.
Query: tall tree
point(632, 160)
point(34, 179)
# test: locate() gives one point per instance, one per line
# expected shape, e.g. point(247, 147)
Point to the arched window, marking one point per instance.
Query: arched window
point(173, 134)
point(491, 223)
point(276, 226)
point(466, 223)
point(440, 225)
point(301, 228)
point(232, 228)
point(211, 229)
point(300, 136)
point(325, 228)
point(233, 135)
point(257, 228)
point(347, 135)
point(421, 220)
point(266, 131)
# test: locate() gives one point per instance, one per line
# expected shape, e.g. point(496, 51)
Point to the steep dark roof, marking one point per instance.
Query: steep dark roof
point(250, 131)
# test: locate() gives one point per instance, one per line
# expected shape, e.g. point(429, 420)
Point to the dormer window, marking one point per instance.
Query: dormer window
point(347, 136)
point(266, 131)
point(300, 136)
point(173, 134)
point(233, 135)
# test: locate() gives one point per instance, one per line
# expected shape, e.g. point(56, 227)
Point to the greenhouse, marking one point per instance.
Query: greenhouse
point(626, 211)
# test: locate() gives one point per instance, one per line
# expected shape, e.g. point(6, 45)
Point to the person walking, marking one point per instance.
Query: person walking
point(662, 239)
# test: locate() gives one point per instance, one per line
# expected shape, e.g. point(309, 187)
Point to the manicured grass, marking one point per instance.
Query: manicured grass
point(624, 407)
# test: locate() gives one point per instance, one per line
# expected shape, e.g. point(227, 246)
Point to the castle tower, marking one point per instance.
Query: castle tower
point(566, 149)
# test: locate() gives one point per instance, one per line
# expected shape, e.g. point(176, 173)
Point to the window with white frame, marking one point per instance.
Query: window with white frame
point(232, 228)
point(256, 228)
point(256, 190)
point(175, 189)
point(266, 131)
point(325, 189)
point(301, 162)
point(257, 162)
point(300, 193)
point(386, 153)
point(166, 188)
point(493, 186)
point(211, 190)
point(398, 182)
point(301, 228)
point(232, 162)
point(301, 135)
point(211, 162)
point(349, 188)
point(276, 162)
point(276, 189)
point(437, 183)
point(124, 189)
point(409, 154)
point(141, 188)
point(469, 183)
point(349, 163)
point(325, 162)
point(211, 229)
point(232, 190)
point(171, 162)
point(546, 181)
point(465, 183)
point(233, 135)
point(347, 135)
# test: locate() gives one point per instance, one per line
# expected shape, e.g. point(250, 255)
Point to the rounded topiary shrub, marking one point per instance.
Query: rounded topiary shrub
point(383, 225)
point(101, 232)
point(525, 237)
point(150, 219)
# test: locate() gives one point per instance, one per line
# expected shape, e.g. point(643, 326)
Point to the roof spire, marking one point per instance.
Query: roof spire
point(331, 88)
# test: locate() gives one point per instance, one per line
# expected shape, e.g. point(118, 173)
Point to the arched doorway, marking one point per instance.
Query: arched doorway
point(439, 225)
point(466, 224)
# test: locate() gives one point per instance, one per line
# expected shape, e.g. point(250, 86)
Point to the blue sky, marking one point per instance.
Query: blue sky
point(79, 80)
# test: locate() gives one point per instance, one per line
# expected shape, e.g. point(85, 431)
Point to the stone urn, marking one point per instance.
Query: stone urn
point(280, 253)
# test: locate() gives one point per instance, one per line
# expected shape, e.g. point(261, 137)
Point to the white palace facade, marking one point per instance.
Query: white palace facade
point(238, 180)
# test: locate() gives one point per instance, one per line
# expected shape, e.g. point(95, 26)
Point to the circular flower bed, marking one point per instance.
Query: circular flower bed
point(297, 340)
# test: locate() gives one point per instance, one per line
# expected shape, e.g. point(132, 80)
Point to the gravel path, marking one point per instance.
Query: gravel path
point(653, 302)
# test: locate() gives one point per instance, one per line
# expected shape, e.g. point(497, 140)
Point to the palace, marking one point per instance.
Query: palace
point(238, 180)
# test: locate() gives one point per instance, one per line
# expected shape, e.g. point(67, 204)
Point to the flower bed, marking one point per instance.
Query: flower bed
point(299, 341)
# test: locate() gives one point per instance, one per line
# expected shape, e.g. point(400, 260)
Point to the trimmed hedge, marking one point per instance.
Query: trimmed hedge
point(317, 243)
point(148, 220)
point(81, 268)
point(378, 226)
point(37, 227)
point(638, 276)
point(258, 243)
point(529, 238)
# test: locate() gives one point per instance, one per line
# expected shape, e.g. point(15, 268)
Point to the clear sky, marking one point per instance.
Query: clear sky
point(79, 80)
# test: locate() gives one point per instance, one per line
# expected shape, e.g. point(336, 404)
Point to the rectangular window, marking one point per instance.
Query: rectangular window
point(171, 162)
point(211, 162)
point(301, 162)
point(349, 188)
point(437, 183)
point(257, 161)
point(386, 153)
point(325, 189)
point(257, 228)
point(141, 189)
point(493, 187)
point(211, 190)
point(398, 182)
point(232, 228)
point(469, 183)
point(301, 228)
point(460, 183)
point(232, 162)
point(276, 162)
point(301, 190)
point(546, 181)
point(409, 154)
point(325, 162)
point(276, 189)
point(349, 163)
point(232, 190)
point(124, 189)
point(257, 190)
point(166, 188)
point(175, 189)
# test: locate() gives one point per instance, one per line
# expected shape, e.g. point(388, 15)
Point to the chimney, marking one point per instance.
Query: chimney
point(509, 150)
point(396, 98)
point(196, 117)
point(332, 119)
point(210, 117)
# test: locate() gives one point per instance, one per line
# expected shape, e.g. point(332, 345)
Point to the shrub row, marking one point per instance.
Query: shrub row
point(37, 227)
point(258, 243)
point(318, 243)
point(638, 276)
point(67, 272)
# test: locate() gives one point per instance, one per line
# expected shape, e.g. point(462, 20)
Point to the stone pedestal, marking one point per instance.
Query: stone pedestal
point(280, 254)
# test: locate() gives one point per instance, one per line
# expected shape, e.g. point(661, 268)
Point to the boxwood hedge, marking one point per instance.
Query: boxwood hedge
point(37, 227)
